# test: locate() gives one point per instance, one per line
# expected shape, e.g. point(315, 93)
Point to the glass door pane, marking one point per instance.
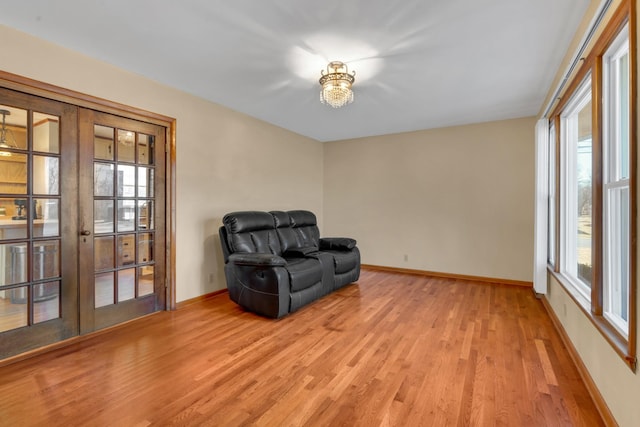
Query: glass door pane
point(120, 206)
point(38, 297)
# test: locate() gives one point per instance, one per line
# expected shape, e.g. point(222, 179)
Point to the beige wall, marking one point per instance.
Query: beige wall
point(454, 200)
point(619, 386)
point(225, 160)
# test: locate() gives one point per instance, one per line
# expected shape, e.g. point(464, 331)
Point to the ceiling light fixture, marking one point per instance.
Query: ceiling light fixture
point(336, 85)
point(126, 137)
point(6, 133)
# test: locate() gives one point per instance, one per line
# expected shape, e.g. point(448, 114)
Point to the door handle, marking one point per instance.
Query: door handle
point(85, 233)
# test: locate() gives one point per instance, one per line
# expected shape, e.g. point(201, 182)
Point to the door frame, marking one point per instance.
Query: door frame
point(56, 93)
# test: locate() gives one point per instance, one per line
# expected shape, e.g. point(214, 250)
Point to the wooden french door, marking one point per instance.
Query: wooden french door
point(121, 219)
point(82, 221)
point(38, 222)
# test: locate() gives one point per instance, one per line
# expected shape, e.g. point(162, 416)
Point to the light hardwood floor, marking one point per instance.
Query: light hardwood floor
point(391, 350)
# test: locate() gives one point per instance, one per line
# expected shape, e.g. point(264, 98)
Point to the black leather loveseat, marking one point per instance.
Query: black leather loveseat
point(276, 262)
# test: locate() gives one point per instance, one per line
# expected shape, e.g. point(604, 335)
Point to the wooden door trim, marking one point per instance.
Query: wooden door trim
point(46, 90)
point(57, 93)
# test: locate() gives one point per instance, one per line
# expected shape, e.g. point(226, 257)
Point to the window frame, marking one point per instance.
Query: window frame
point(552, 201)
point(569, 138)
point(593, 64)
point(614, 180)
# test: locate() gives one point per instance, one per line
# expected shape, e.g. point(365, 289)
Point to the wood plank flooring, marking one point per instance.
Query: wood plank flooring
point(391, 350)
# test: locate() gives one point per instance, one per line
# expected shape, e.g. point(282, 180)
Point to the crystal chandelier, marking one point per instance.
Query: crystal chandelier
point(336, 85)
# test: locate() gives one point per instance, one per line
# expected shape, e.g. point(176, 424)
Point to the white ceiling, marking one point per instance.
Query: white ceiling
point(419, 63)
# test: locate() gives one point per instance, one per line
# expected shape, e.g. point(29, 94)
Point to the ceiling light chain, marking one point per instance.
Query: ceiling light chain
point(336, 85)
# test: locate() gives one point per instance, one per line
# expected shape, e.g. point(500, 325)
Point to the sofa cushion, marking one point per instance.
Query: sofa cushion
point(303, 273)
point(344, 261)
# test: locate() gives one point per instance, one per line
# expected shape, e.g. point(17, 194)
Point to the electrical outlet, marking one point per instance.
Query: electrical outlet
point(564, 310)
point(210, 277)
point(406, 257)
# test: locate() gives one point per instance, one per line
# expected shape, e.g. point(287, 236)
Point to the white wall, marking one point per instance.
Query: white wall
point(454, 200)
point(225, 160)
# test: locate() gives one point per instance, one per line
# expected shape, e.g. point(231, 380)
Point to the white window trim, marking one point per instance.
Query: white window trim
point(612, 184)
point(569, 198)
point(552, 201)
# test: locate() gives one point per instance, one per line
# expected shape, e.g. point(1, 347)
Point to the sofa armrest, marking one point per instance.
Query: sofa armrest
point(337, 243)
point(259, 282)
point(257, 259)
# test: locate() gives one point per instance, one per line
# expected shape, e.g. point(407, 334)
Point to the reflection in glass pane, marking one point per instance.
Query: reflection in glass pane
point(145, 149)
point(47, 222)
point(623, 106)
point(13, 259)
point(103, 144)
point(21, 211)
point(126, 146)
point(9, 209)
point(584, 194)
point(126, 181)
point(145, 215)
point(46, 259)
point(103, 179)
point(126, 284)
point(6, 206)
point(145, 182)
point(46, 133)
point(13, 308)
point(103, 216)
point(15, 129)
point(104, 288)
point(145, 247)
point(14, 173)
point(46, 299)
point(145, 280)
point(126, 249)
point(126, 215)
point(623, 252)
point(624, 225)
point(45, 175)
point(103, 252)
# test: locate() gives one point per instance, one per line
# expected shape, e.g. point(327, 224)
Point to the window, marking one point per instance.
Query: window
point(577, 184)
point(615, 185)
point(592, 183)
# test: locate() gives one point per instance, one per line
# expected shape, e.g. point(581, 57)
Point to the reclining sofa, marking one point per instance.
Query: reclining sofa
point(276, 262)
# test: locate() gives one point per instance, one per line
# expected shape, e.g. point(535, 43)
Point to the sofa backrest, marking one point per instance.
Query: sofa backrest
point(285, 232)
point(305, 228)
point(268, 232)
point(252, 232)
